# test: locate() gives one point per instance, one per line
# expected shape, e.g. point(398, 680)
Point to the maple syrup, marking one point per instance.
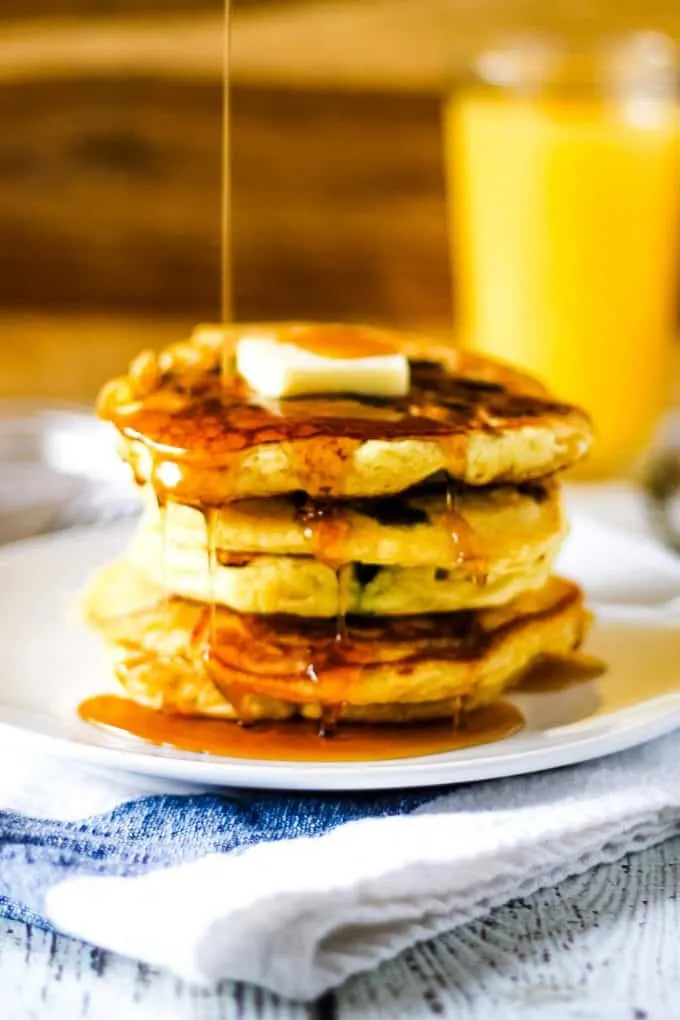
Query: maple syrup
point(226, 239)
point(300, 740)
point(325, 525)
point(465, 544)
point(221, 419)
point(338, 340)
point(210, 517)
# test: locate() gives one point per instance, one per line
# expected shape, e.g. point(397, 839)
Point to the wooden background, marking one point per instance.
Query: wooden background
point(110, 165)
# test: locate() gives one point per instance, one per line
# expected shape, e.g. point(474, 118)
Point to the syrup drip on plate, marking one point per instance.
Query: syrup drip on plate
point(300, 740)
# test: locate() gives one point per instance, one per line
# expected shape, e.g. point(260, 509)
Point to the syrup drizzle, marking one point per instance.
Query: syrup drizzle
point(344, 576)
point(210, 517)
point(331, 712)
point(227, 295)
point(459, 718)
point(465, 546)
point(325, 526)
point(239, 698)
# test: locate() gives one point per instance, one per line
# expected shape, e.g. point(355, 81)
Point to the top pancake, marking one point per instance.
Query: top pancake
point(193, 429)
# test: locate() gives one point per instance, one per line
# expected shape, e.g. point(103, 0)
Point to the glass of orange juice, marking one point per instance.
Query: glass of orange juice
point(564, 180)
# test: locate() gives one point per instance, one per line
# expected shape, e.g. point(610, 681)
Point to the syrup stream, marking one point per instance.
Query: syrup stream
point(226, 273)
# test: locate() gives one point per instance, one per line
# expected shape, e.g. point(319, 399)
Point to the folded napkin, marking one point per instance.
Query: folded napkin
point(298, 892)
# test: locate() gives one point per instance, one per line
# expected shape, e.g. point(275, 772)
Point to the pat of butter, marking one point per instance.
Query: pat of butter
point(283, 369)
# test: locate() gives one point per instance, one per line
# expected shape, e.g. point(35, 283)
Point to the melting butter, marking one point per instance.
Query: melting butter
point(286, 369)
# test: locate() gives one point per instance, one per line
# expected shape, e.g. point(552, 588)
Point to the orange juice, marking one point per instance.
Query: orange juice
point(564, 216)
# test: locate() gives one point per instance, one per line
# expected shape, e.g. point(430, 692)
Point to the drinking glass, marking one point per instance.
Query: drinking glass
point(564, 182)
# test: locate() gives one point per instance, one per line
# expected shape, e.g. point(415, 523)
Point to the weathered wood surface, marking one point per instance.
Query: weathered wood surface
point(110, 198)
point(604, 946)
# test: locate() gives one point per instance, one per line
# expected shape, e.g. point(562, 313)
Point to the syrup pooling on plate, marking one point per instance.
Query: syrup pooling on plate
point(300, 741)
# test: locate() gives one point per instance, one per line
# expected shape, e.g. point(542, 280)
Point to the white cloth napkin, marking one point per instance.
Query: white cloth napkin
point(298, 893)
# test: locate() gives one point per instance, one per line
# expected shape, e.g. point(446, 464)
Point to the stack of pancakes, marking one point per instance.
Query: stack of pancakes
point(336, 557)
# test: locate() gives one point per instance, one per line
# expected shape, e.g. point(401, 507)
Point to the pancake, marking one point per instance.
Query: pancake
point(303, 586)
point(477, 531)
point(175, 655)
point(496, 544)
point(201, 436)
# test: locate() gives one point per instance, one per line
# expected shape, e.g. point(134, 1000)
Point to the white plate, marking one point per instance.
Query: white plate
point(47, 665)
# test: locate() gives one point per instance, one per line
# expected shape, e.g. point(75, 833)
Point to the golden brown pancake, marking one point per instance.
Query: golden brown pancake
point(481, 531)
point(304, 586)
point(288, 556)
point(201, 436)
point(176, 655)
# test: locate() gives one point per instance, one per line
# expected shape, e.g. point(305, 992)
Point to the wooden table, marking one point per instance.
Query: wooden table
point(605, 946)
